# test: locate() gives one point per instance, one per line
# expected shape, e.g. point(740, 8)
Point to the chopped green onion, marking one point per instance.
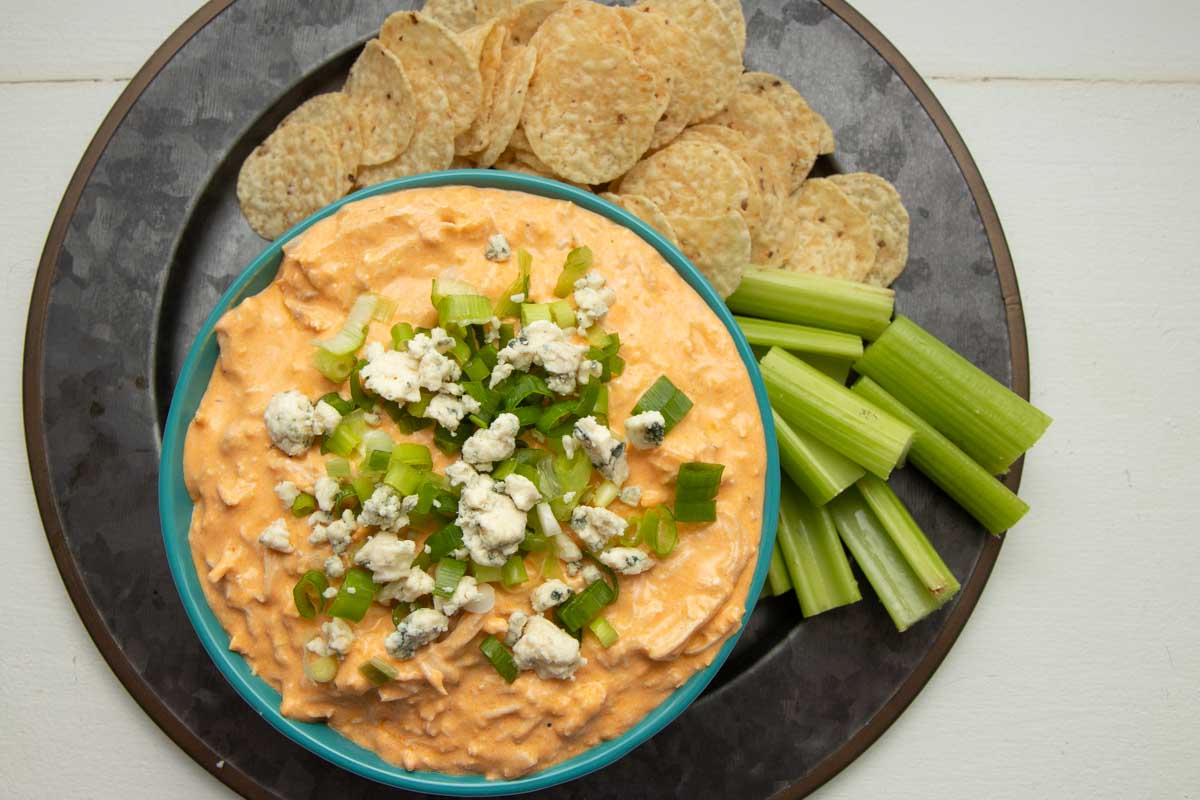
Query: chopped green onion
point(526, 415)
point(376, 462)
point(585, 606)
point(828, 411)
point(697, 480)
point(464, 309)
point(504, 469)
point(449, 572)
point(903, 595)
point(377, 671)
point(821, 472)
point(337, 468)
point(322, 669)
point(611, 368)
point(442, 288)
point(535, 312)
point(556, 414)
point(663, 397)
point(696, 511)
point(664, 535)
point(633, 532)
point(340, 404)
point(536, 543)
point(605, 632)
point(587, 400)
point(800, 339)
point(486, 574)
point(402, 332)
point(513, 572)
point(814, 300)
point(816, 562)
point(416, 455)
point(991, 423)
point(970, 485)
point(353, 605)
point(449, 442)
point(364, 487)
point(400, 611)
point(357, 395)
point(354, 329)
point(563, 314)
point(335, 368)
point(489, 400)
point(523, 388)
point(404, 478)
point(303, 505)
point(477, 369)
point(347, 435)
point(460, 351)
point(908, 537)
point(508, 331)
point(606, 492)
point(405, 422)
point(778, 581)
point(578, 262)
point(608, 574)
point(550, 566)
point(444, 542)
point(499, 657)
point(504, 306)
point(377, 440)
point(307, 593)
point(347, 497)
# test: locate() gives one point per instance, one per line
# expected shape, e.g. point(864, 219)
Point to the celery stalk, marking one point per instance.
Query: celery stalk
point(778, 581)
point(981, 495)
point(909, 539)
point(800, 339)
point(833, 367)
point(815, 559)
point(814, 300)
point(987, 420)
point(821, 472)
point(903, 595)
point(816, 404)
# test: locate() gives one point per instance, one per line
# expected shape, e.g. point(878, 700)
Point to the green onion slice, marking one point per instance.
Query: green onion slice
point(606, 492)
point(523, 388)
point(354, 329)
point(357, 394)
point(464, 309)
point(563, 314)
point(662, 396)
point(442, 288)
point(557, 414)
point(535, 312)
point(504, 306)
point(347, 497)
point(536, 543)
point(444, 542)
point(662, 534)
point(486, 574)
point(340, 404)
point(337, 468)
point(604, 631)
point(578, 262)
point(308, 593)
point(585, 606)
point(499, 657)
point(322, 669)
point(416, 455)
point(402, 332)
point(376, 462)
point(696, 511)
point(608, 574)
point(335, 368)
point(353, 605)
point(364, 487)
point(513, 572)
point(404, 478)
point(377, 671)
point(449, 572)
point(347, 435)
point(698, 480)
point(400, 611)
point(303, 505)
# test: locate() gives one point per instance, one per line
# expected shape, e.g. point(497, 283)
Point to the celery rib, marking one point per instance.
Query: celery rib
point(909, 539)
point(968, 484)
point(801, 339)
point(778, 581)
point(814, 300)
point(814, 556)
point(821, 472)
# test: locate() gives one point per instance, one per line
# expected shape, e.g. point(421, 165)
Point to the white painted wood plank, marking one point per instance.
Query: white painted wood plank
point(69, 728)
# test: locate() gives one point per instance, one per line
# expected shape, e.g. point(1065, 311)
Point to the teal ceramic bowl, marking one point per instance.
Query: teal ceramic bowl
point(176, 510)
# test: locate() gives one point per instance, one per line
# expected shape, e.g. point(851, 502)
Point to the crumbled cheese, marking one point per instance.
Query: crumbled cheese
point(569, 497)
point(491, 523)
point(590, 574)
point(338, 532)
point(383, 510)
point(604, 449)
point(325, 419)
point(415, 631)
point(338, 635)
point(630, 495)
point(460, 553)
point(330, 592)
point(646, 430)
point(460, 473)
point(276, 537)
point(334, 567)
point(491, 444)
point(318, 518)
point(372, 419)
point(391, 374)
point(448, 410)
point(547, 649)
point(569, 446)
point(596, 526)
point(588, 368)
point(387, 556)
point(491, 331)
point(519, 297)
point(567, 549)
point(466, 592)
point(318, 646)
point(326, 490)
point(434, 369)
point(550, 594)
point(522, 491)
point(593, 299)
point(289, 420)
point(543, 344)
point(627, 560)
point(497, 248)
point(516, 626)
point(418, 584)
point(287, 492)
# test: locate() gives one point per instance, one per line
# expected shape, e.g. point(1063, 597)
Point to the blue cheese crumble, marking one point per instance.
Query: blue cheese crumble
point(415, 631)
point(604, 449)
point(388, 557)
point(289, 421)
point(627, 560)
point(547, 649)
point(646, 430)
point(595, 526)
point(276, 537)
point(550, 594)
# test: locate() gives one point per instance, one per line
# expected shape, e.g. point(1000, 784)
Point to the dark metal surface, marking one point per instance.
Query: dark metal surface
point(149, 235)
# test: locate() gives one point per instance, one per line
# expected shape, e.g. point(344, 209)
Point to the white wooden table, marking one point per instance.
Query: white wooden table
point(1079, 674)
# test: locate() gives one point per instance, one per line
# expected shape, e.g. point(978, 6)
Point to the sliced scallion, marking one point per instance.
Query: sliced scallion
point(346, 437)
point(353, 605)
point(335, 368)
point(585, 606)
point(504, 306)
point(697, 480)
point(449, 572)
point(663, 397)
point(337, 468)
point(604, 631)
point(354, 330)
point(308, 593)
point(321, 669)
point(464, 309)
point(563, 314)
point(535, 312)
point(523, 388)
point(513, 572)
point(606, 492)
point(442, 288)
point(402, 332)
point(444, 542)
point(499, 657)
point(578, 262)
point(486, 574)
point(416, 455)
point(364, 487)
point(303, 505)
point(404, 478)
point(556, 415)
point(340, 404)
point(377, 671)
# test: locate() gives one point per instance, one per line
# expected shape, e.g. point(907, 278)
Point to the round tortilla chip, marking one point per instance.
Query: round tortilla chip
point(509, 163)
point(701, 179)
point(788, 102)
point(755, 210)
point(336, 115)
point(719, 246)
point(431, 53)
point(591, 107)
point(833, 236)
point(757, 118)
point(581, 23)
point(507, 103)
point(644, 209)
point(383, 98)
point(485, 43)
point(432, 145)
point(733, 14)
point(524, 19)
point(663, 48)
point(291, 175)
point(519, 143)
point(457, 15)
point(879, 200)
point(714, 58)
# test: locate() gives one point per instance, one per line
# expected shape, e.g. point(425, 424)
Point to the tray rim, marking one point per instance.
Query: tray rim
point(197, 748)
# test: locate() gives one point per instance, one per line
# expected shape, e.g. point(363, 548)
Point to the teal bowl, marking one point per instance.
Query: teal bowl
point(176, 511)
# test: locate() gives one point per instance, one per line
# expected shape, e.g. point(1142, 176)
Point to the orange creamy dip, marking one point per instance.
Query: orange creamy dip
point(449, 710)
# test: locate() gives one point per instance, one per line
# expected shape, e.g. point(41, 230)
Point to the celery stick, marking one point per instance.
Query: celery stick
point(814, 556)
point(816, 404)
point(833, 367)
point(987, 420)
point(903, 595)
point(981, 495)
point(909, 539)
point(814, 300)
point(777, 575)
point(800, 339)
point(821, 472)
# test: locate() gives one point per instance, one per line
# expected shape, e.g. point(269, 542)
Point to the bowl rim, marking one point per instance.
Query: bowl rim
point(175, 508)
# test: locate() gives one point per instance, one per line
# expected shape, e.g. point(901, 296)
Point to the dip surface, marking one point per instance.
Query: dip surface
point(448, 710)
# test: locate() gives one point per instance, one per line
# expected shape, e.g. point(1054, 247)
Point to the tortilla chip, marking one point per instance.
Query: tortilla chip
point(336, 115)
point(519, 143)
point(431, 53)
point(756, 210)
point(644, 209)
point(457, 15)
point(591, 107)
point(663, 48)
point(507, 103)
point(485, 44)
point(757, 118)
point(291, 175)
point(885, 211)
point(833, 236)
point(490, 9)
point(432, 145)
point(524, 19)
point(731, 11)
point(719, 246)
point(714, 57)
point(384, 100)
point(701, 179)
point(508, 163)
point(788, 102)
